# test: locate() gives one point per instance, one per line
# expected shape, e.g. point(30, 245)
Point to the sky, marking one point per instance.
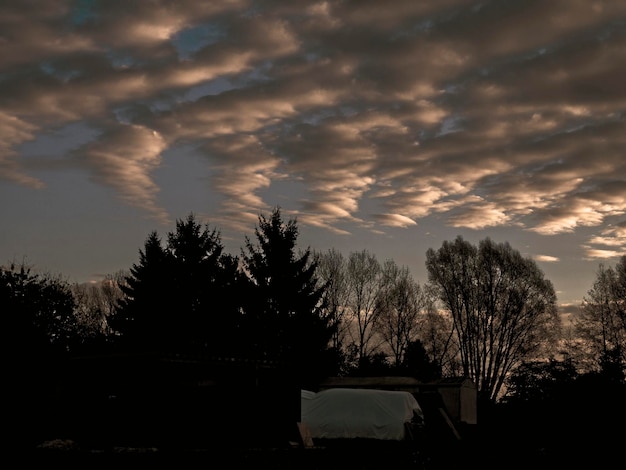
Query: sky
point(388, 126)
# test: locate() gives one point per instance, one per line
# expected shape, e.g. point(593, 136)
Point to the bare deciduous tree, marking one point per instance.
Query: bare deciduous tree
point(437, 335)
point(331, 273)
point(503, 310)
point(397, 310)
point(601, 322)
point(96, 302)
point(364, 281)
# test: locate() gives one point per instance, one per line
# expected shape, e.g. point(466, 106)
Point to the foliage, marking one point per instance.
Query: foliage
point(503, 309)
point(536, 381)
point(189, 296)
point(178, 297)
point(373, 365)
point(141, 319)
point(39, 331)
point(283, 309)
point(419, 363)
point(39, 311)
point(562, 408)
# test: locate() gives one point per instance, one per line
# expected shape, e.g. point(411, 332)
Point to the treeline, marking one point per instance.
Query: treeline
point(486, 312)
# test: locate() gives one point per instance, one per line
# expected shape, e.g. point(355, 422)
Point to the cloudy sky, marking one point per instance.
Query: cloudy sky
point(386, 125)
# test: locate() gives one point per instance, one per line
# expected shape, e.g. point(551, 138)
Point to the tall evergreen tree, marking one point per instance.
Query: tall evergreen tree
point(141, 318)
point(203, 277)
point(180, 297)
point(284, 299)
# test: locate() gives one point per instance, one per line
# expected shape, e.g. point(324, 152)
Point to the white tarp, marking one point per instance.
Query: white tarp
point(358, 413)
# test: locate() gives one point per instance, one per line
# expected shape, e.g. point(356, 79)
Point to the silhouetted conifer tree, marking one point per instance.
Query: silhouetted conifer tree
point(180, 297)
point(141, 317)
point(283, 308)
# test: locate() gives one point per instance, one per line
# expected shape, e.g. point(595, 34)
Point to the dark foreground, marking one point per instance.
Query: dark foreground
point(282, 458)
point(347, 456)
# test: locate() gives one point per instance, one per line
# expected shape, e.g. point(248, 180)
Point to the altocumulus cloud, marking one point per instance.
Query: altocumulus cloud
point(483, 113)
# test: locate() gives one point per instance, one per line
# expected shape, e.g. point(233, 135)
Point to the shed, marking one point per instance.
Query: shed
point(459, 396)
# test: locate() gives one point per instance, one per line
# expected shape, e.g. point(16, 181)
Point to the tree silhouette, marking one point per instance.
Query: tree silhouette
point(504, 311)
point(398, 309)
point(601, 322)
point(283, 302)
point(331, 273)
point(142, 317)
point(38, 314)
point(95, 303)
point(437, 336)
point(380, 311)
point(178, 297)
point(204, 279)
point(418, 364)
point(364, 283)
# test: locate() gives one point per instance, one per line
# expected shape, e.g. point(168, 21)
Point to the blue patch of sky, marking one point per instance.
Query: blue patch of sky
point(190, 40)
point(210, 88)
point(449, 125)
point(421, 27)
point(452, 88)
point(161, 105)
point(349, 111)
point(135, 112)
point(276, 128)
point(48, 68)
point(82, 11)
point(225, 83)
point(253, 11)
point(119, 60)
point(123, 115)
point(311, 57)
point(132, 113)
point(257, 75)
point(317, 117)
